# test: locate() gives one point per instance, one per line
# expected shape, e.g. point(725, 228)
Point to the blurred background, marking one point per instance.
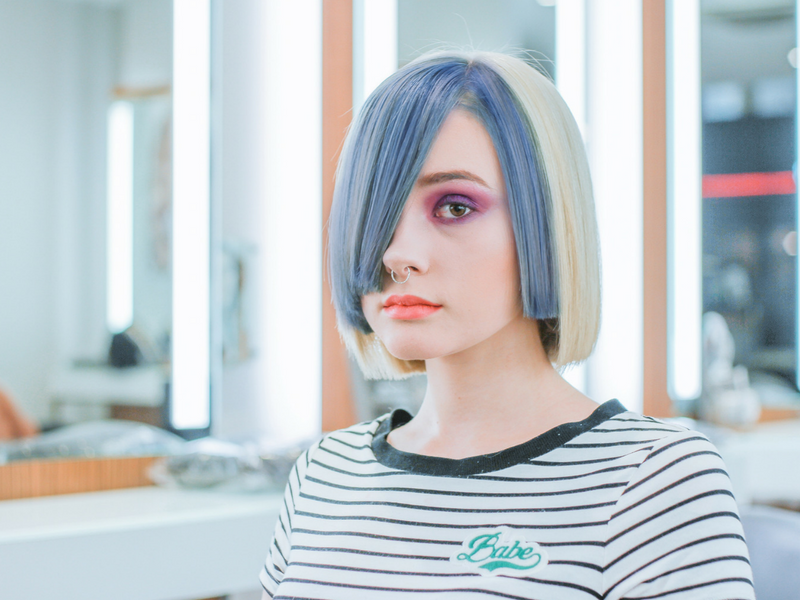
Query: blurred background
point(166, 171)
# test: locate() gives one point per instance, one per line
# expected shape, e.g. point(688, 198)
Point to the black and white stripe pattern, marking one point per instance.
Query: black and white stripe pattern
point(625, 506)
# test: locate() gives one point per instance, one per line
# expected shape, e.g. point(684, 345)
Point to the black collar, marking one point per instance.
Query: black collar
point(389, 456)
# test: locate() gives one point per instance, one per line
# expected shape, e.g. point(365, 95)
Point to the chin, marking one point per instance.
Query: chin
point(409, 349)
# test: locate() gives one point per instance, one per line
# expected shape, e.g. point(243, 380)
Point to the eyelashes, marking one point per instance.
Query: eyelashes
point(454, 207)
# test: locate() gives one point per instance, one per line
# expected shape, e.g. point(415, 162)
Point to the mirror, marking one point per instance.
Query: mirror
point(749, 200)
point(744, 304)
point(70, 247)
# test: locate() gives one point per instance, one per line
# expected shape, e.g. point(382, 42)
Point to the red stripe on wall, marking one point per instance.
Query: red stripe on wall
point(736, 185)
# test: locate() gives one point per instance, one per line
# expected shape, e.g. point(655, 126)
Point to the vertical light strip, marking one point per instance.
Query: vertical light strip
point(571, 82)
point(571, 57)
point(291, 248)
point(119, 230)
point(374, 46)
point(795, 172)
point(614, 144)
point(684, 200)
point(216, 193)
point(190, 268)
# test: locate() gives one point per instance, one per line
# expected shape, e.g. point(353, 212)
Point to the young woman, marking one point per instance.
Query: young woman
point(463, 244)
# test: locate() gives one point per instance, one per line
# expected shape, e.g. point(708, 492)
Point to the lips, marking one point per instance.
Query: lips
point(408, 300)
point(409, 307)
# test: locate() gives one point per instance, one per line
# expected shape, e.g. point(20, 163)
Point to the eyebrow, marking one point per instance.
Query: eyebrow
point(433, 178)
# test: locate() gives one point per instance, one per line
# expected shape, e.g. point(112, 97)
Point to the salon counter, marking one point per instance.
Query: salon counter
point(145, 543)
point(763, 462)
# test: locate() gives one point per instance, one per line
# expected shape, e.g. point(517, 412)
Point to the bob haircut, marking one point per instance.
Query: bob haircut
point(548, 188)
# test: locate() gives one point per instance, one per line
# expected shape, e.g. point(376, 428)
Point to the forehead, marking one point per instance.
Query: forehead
point(463, 144)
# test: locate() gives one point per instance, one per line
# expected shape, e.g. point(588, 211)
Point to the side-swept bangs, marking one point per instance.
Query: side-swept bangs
point(547, 185)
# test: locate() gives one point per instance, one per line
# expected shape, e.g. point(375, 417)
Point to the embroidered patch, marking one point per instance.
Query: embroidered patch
point(500, 551)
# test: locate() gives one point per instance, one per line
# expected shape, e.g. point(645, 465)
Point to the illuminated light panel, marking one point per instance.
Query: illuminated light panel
point(374, 46)
point(190, 407)
point(685, 192)
point(119, 231)
point(571, 57)
point(797, 206)
point(571, 82)
point(290, 337)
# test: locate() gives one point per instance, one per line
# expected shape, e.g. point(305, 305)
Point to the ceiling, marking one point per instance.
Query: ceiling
point(742, 40)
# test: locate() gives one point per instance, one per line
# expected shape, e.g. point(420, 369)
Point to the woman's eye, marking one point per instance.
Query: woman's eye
point(455, 210)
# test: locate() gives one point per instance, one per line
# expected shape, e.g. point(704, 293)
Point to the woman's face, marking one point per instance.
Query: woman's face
point(455, 236)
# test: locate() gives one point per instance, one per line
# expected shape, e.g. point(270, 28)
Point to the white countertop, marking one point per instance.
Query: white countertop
point(763, 461)
point(137, 544)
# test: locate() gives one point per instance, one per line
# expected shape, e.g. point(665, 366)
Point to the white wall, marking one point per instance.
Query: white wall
point(271, 200)
point(145, 43)
point(242, 407)
point(48, 75)
point(28, 34)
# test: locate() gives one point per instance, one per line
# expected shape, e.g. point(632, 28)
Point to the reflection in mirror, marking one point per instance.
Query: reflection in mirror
point(420, 26)
point(138, 218)
point(85, 211)
point(749, 210)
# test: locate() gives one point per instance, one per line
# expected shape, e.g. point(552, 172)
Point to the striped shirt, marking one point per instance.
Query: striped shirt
point(615, 506)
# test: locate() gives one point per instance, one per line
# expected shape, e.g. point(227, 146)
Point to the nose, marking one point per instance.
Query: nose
point(406, 250)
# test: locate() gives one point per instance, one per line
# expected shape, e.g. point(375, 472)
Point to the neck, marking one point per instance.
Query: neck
point(491, 396)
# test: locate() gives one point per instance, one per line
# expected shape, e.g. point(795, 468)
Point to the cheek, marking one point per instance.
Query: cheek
point(498, 284)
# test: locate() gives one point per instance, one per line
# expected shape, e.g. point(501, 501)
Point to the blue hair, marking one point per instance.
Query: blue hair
point(384, 153)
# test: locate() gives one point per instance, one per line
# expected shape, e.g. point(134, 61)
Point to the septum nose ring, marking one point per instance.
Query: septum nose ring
point(407, 276)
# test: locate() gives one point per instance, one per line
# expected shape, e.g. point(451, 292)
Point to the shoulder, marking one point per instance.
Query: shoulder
point(676, 508)
point(671, 457)
point(633, 424)
point(652, 434)
point(662, 449)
